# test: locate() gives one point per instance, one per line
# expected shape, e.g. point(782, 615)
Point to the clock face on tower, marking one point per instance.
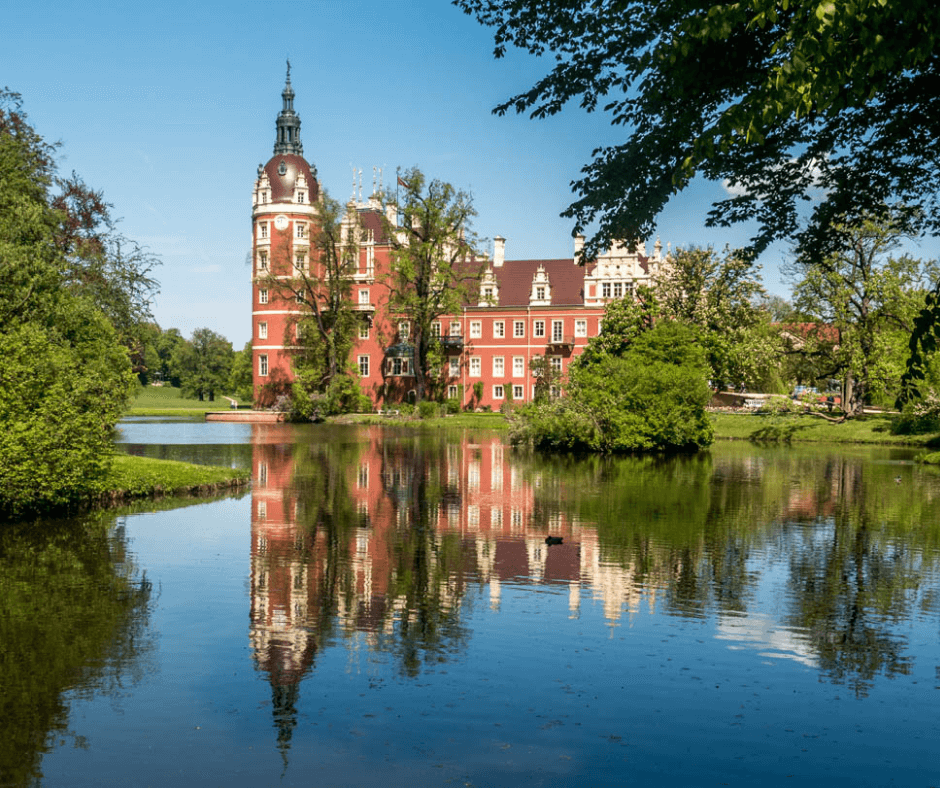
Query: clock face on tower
point(280, 222)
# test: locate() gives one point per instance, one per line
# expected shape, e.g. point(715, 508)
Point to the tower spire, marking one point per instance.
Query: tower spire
point(288, 123)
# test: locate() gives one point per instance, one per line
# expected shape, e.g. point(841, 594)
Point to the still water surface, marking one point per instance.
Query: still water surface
point(383, 609)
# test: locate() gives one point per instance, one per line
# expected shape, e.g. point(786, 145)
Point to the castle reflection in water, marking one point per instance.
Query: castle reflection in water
point(358, 538)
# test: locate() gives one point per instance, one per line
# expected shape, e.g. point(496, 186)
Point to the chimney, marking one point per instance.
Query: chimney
point(499, 251)
point(578, 246)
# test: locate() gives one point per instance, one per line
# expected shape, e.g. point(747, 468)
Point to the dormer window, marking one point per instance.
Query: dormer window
point(300, 197)
point(264, 196)
point(282, 168)
point(540, 293)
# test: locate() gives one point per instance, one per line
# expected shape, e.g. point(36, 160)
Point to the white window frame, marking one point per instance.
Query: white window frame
point(518, 392)
point(454, 366)
point(476, 367)
point(499, 366)
point(263, 229)
point(605, 289)
point(300, 229)
point(300, 260)
point(476, 329)
point(538, 329)
point(455, 329)
point(262, 261)
point(262, 296)
point(436, 328)
point(364, 297)
point(580, 327)
point(518, 366)
point(263, 365)
point(554, 363)
point(404, 330)
point(558, 330)
point(262, 330)
point(499, 329)
point(452, 392)
point(518, 328)
point(363, 363)
point(498, 391)
point(363, 331)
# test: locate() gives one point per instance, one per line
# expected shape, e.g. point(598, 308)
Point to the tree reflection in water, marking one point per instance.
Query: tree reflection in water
point(73, 620)
point(385, 538)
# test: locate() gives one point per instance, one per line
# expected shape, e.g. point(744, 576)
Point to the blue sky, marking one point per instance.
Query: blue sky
point(169, 107)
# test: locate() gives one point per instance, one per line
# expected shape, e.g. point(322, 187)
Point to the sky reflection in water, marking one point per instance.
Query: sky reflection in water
point(383, 610)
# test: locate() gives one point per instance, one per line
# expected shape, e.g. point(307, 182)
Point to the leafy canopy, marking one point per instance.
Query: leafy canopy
point(782, 99)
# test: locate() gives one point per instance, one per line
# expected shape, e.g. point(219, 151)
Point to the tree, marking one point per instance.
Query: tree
point(869, 299)
point(65, 377)
point(240, 377)
point(782, 101)
point(323, 337)
point(204, 363)
point(624, 320)
point(718, 297)
point(433, 269)
point(651, 398)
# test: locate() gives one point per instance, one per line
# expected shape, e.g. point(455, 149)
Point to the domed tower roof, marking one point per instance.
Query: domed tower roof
point(283, 172)
point(288, 163)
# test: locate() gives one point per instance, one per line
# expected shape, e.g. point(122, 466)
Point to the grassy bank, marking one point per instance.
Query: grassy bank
point(812, 429)
point(142, 477)
point(168, 401)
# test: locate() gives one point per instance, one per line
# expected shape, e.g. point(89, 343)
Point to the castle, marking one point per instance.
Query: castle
point(525, 308)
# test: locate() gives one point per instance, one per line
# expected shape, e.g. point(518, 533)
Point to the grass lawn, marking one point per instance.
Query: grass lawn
point(139, 477)
point(490, 421)
point(168, 401)
point(812, 429)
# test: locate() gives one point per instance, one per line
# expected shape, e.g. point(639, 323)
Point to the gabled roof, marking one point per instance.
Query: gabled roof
point(514, 278)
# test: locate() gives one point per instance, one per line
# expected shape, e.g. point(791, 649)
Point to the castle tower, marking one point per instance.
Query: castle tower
point(283, 222)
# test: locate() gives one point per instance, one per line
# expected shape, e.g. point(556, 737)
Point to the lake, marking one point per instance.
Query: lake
point(382, 608)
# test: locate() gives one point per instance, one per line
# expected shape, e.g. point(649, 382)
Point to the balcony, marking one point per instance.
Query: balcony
point(451, 342)
point(564, 343)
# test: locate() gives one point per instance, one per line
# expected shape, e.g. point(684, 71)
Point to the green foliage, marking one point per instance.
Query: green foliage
point(624, 320)
point(204, 364)
point(452, 406)
point(323, 338)
point(65, 376)
point(652, 398)
point(433, 267)
point(478, 391)
point(782, 101)
point(240, 376)
point(428, 409)
point(869, 299)
point(718, 297)
point(342, 395)
point(918, 418)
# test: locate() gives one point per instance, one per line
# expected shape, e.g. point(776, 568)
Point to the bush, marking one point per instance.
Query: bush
point(428, 409)
point(342, 395)
point(651, 399)
point(918, 419)
point(452, 406)
point(780, 404)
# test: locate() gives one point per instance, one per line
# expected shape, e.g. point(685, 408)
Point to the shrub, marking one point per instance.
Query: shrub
point(918, 419)
point(428, 409)
point(652, 398)
point(452, 406)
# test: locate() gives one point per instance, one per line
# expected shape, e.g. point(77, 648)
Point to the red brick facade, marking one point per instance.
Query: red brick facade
point(526, 308)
